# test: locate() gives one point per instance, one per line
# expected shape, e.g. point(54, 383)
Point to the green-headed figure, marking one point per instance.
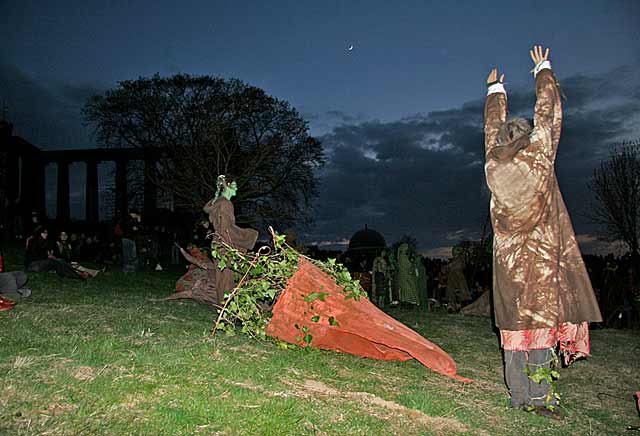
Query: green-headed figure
point(222, 217)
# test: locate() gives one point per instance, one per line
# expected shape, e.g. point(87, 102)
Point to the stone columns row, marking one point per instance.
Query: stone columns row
point(92, 211)
point(91, 193)
point(62, 198)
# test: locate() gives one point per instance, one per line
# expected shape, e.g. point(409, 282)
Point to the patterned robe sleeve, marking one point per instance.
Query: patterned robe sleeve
point(548, 110)
point(495, 114)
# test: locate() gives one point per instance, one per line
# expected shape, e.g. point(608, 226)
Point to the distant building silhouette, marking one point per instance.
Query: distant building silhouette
point(23, 170)
point(364, 246)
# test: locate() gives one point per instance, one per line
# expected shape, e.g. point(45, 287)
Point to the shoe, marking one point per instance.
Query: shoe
point(24, 292)
point(6, 304)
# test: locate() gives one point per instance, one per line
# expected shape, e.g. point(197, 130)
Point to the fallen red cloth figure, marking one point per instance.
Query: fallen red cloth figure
point(350, 326)
point(6, 304)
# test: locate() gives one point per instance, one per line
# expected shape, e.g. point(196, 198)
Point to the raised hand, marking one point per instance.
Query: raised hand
point(493, 77)
point(537, 56)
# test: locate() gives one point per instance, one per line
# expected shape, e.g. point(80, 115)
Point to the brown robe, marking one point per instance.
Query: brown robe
point(539, 278)
point(205, 282)
point(222, 216)
point(457, 288)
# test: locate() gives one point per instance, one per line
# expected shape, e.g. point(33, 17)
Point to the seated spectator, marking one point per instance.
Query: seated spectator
point(62, 250)
point(39, 256)
point(130, 241)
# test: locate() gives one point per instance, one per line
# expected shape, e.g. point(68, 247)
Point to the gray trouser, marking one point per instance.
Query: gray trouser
point(62, 268)
point(524, 391)
point(12, 281)
point(129, 255)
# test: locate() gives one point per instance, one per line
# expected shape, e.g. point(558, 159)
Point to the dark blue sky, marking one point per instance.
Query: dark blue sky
point(400, 114)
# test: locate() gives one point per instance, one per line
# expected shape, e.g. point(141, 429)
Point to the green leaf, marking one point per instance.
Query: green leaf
point(283, 345)
point(316, 318)
point(333, 322)
point(311, 297)
point(308, 338)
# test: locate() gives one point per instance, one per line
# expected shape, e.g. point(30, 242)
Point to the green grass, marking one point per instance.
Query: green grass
point(102, 358)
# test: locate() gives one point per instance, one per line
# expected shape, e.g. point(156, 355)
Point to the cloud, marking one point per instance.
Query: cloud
point(45, 114)
point(438, 252)
point(423, 175)
point(322, 123)
point(592, 244)
point(340, 244)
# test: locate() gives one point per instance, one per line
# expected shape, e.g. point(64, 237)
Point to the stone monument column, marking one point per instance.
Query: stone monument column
point(150, 189)
point(64, 212)
point(91, 193)
point(122, 199)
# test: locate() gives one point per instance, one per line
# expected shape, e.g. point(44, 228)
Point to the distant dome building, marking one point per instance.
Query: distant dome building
point(364, 246)
point(367, 239)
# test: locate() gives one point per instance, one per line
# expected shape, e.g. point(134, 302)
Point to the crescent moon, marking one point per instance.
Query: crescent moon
point(350, 48)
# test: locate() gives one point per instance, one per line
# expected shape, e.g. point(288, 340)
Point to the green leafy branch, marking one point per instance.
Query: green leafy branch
point(550, 375)
point(261, 278)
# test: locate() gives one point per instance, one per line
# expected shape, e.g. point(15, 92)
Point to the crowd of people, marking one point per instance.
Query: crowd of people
point(126, 244)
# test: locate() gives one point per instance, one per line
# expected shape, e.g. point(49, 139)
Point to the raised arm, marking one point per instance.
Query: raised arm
point(208, 207)
point(548, 110)
point(495, 109)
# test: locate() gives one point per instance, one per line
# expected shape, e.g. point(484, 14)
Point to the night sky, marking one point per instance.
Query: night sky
point(400, 115)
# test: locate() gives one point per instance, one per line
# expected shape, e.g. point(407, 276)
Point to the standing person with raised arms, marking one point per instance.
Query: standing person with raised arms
point(541, 290)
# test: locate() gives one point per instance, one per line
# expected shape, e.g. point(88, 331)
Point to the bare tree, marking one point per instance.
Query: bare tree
point(616, 186)
point(197, 127)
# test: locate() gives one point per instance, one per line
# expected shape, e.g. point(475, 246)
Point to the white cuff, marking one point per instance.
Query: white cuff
point(496, 87)
point(541, 66)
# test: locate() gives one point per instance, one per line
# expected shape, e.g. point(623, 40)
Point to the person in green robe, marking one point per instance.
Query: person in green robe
point(406, 278)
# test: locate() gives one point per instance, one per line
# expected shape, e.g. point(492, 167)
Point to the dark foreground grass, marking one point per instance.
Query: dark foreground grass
point(103, 358)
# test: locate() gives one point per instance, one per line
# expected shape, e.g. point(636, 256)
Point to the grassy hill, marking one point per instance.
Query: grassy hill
point(103, 358)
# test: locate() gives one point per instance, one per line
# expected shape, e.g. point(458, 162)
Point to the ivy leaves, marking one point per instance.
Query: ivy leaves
point(332, 320)
point(263, 276)
point(316, 296)
point(550, 375)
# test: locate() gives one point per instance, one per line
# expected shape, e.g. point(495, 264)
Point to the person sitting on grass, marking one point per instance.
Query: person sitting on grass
point(39, 256)
point(62, 250)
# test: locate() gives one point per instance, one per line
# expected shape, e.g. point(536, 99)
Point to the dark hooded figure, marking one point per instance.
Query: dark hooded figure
point(541, 291)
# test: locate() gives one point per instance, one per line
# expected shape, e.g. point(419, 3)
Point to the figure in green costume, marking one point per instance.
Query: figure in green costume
point(222, 216)
point(406, 278)
point(457, 288)
point(421, 281)
point(381, 283)
point(204, 281)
